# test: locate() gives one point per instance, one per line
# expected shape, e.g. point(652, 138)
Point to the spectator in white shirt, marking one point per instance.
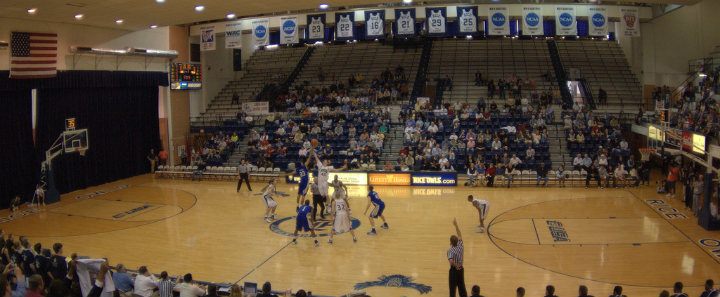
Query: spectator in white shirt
point(189, 289)
point(602, 160)
point(530, 153)
point(578, 162)
point(515, 161)
point(496, 145)
point(623, 145)
point(145, 283)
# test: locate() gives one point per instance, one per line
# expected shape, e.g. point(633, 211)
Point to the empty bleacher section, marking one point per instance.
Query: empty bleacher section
point(263, 67)
point(332, 63)
point(507, 59)
point(603, 65)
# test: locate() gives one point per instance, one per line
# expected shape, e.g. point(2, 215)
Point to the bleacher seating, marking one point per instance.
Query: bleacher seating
point(603, 65)
point(264, 66)
point(460, 59)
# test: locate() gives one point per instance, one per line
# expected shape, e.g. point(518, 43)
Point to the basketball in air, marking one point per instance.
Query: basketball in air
point(314, 143)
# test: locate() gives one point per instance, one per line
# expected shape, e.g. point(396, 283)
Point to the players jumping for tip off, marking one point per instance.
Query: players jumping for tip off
point(302, 224)
point(323, 175)
point(379, 207)
point(482, 207)
point(303, 173)
point(340, 210)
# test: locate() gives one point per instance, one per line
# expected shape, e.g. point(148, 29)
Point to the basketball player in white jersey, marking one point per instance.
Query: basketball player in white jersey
point(340, 190)
point(270, 203)
point(482, 207)
point(341, 217)
point(39, 195)
point(323, 176)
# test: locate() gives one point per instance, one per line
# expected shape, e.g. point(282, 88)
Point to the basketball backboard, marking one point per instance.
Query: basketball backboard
point(75, 141)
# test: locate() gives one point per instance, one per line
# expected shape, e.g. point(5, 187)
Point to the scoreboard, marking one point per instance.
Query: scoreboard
point(185, 76)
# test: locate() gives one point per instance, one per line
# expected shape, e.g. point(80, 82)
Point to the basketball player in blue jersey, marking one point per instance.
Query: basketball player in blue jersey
point(302, 224)
point(303, 173)
point(379, 207)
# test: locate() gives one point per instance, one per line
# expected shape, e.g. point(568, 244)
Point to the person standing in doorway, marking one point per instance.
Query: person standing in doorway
point(152, 158)
point(455, 257)
point(244, 175)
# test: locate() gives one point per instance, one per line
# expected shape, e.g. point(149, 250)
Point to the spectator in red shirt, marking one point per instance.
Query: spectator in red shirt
point(490, 173)
point(672, 178)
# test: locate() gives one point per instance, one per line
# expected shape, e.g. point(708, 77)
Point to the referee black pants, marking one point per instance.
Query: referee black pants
point(457, 281)
point(318, 200)
point(243, 177)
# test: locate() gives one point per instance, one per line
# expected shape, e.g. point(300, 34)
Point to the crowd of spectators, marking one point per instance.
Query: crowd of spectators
point(214, 149)
point(36, 271)
point(583, 291)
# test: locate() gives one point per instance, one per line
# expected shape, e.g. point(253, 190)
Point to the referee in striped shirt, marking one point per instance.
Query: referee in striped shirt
point(455, 257)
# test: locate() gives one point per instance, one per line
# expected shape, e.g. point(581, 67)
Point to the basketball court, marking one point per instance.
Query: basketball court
point(536, 236)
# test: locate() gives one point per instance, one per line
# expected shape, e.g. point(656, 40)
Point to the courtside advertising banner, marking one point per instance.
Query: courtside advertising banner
point(532, 20)
point(467, 20)
point(498, 20)
point(344, 23)
point(207, 38)
point(443, 179)
point(389, 179)
point(233, 34)
point(289, 30)
point(315, 27)
point(436, 20)
point(374, 24)
point(630, 21)
point(261, 32)
point(597, 17)
point(565, 23)
point(351, 178)
point(405, 22)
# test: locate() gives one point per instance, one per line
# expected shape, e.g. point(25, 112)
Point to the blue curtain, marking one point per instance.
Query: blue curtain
point(20, 169)
point(549, 28)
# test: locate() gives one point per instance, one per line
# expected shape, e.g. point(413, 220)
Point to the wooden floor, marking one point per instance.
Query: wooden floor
point(565, 237)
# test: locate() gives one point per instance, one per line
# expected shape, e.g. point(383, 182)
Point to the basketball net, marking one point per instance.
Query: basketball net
point(645, 153)
point(82, 152)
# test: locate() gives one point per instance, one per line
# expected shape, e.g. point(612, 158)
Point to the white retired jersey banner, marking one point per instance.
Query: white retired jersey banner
point(597, 17)
point(532, 23)
point(436, 20)
point(261, 32)
point(498, 20)
point(467, 19)
point(233, 34)
point(289, 30)
point(344, 23)
point(207, 38)
point(630, 21)
point(374, 24)
point(315, 27)
point(565, 22)
point(405, 22)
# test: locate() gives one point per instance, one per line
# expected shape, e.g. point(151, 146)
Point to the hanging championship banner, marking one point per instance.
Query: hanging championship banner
point(498, 20)
point(315, 27)
point(467, 19)
point(374, 24)
point(597, 17)
point(436, 20)
point(532, 20)
point(630, 21)
point(344, 23)
point(288, 30)
point(233, 33)
point(207, 38)
point(261, 32)
point(405, 22)
point(565, 23)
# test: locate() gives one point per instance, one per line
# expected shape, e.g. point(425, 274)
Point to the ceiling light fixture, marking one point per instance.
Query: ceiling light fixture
point(119, 21)
point(153, 26)
point(32, 10)
point(407, 1)
point(199, 8)
point(230, 16)
point(79, 16)
point(160, 1)
point(324, 6)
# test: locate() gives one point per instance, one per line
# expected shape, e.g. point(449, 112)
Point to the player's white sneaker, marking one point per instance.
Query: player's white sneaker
point(268, 220)
point(482, 230)
point(354, 240)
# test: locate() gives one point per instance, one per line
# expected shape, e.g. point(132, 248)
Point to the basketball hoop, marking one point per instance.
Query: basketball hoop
point(645, 153)
point(82, 152)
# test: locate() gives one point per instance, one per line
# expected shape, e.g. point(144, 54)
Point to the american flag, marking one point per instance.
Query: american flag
point(34, 55)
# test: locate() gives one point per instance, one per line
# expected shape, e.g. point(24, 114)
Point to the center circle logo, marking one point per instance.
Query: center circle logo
point(566, 19)
point(288, 27)
point(532, 19)
point(498, 19)
point(598, 20)
point(286, 227)
point(260, 31)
